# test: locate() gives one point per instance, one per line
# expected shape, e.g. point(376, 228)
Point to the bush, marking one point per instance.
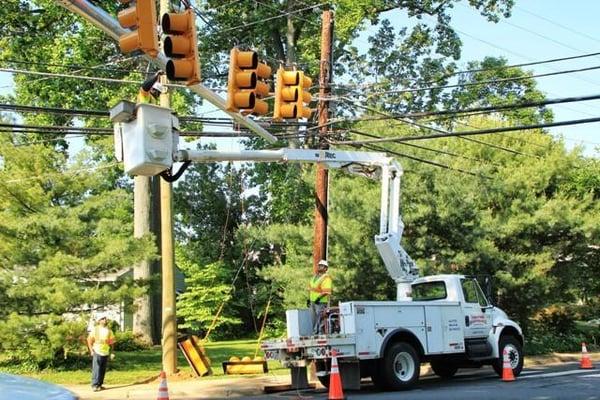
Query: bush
point(557, 318)
point(34, 343)
point(128, 341)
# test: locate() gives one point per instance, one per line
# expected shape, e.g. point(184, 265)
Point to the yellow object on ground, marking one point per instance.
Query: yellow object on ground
point(195, 355)
point(246, 365)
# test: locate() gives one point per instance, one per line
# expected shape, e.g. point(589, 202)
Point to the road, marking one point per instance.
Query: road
point(565, 381)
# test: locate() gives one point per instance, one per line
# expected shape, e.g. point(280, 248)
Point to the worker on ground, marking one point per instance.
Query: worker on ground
point(150, 89)
point(320, 294)
point(101, 342)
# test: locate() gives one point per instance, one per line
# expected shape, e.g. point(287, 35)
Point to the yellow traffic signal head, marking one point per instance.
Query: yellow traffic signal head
point(181, 46)
point(143, 17)
point(290, 95)
point(245, 85)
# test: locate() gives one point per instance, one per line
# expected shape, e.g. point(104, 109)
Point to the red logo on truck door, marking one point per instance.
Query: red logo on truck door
point(478, 319)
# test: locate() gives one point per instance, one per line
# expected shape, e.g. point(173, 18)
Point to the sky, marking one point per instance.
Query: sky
point(541, 30)
point(537, 30)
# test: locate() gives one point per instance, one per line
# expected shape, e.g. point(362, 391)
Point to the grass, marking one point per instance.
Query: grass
point(143, 366)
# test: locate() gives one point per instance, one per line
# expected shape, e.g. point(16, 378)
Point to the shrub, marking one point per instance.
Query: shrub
point(39, 342)
point(556, 318)
point(128, 341)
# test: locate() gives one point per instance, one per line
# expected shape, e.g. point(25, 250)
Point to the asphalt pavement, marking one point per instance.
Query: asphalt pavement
point(544, 377)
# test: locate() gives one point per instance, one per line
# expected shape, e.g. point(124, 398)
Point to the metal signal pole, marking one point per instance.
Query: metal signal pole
point(322, 187)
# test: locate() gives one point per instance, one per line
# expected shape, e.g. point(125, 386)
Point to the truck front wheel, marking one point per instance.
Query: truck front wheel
point(515, 354)
point(402, 366)
point(443, 369)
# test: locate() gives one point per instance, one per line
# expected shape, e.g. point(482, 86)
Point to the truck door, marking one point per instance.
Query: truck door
point(477, 312)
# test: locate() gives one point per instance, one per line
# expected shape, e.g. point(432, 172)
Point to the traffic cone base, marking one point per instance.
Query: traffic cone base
point(507, 372)
point(586, 362)
point(335, 381)
point(163, 391)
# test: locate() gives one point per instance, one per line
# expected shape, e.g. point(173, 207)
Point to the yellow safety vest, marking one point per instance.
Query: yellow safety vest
point(320, 289)
point(103, 339)
point(144, 97)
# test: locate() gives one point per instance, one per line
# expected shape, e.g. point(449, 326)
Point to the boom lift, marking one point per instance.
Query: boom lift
point(445, 320)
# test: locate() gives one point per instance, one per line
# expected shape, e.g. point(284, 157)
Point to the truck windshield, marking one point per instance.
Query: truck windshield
point(429, 291)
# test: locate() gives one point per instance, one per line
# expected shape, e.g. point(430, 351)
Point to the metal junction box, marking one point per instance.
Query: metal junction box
point(146, 144)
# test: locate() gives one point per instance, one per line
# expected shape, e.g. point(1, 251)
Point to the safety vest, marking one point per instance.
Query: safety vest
point(320, 288)
point(144, 97)
point(103, 338)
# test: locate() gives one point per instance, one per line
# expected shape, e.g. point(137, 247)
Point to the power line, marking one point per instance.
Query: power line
point(438, 151)
point(491, 81)
point(475, 70)
point(433, 163)
point(557, 24)
point(472, 133)
point(488, 109)
point(272, 18)
point(77, 67)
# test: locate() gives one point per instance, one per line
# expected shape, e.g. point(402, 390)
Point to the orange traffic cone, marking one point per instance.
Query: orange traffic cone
point(163, 391)
point(335, 380)
point(586, 362)
point(507, 372)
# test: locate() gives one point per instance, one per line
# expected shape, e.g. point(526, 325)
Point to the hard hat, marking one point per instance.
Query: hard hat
point(323, 262)
point(101, 315)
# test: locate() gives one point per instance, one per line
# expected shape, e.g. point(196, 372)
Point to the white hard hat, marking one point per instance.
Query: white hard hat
point(101, 315)
point(323, 262)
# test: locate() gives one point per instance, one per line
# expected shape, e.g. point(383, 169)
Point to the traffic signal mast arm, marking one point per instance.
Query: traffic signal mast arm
point(109, 25)
point(372, 165)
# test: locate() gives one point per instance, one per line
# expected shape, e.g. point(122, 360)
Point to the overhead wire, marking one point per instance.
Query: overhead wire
point(585, 35)
point(272, 18)
point(473, 133)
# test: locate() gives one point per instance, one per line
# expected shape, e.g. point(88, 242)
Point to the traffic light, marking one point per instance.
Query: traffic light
point(291, 96)
point(304, 97)
point(143, 16)
point(181, 46)
point(246, 84)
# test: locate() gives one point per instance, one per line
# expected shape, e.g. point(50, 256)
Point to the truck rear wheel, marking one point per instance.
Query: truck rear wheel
point(402, 366)
point(515, 354)
point(443, 369)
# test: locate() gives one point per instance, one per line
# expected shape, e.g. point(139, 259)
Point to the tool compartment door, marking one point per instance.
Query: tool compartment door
point(444, 330)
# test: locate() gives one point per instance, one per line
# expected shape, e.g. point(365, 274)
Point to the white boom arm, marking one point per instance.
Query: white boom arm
point(147, 142)
point(400, 266)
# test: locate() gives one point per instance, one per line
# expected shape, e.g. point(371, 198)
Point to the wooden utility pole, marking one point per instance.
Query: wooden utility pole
point(142, 318)
point(322, 187)
point(169, 320)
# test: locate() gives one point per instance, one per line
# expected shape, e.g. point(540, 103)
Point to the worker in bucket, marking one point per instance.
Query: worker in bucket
point(150, 89)
point(320, 295)
point(101, 343)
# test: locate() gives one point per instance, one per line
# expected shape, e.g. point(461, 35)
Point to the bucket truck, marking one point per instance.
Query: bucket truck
point(445, 320)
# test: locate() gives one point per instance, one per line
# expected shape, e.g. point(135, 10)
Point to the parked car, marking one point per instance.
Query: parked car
point(23, 388)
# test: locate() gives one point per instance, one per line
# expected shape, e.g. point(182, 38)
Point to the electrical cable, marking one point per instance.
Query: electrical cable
point(472, 133)
point(492, 81)
point(272, 18)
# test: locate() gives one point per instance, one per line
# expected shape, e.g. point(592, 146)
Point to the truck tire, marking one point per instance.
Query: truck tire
point(401, 366)
point(444, 370)
point(515, 354)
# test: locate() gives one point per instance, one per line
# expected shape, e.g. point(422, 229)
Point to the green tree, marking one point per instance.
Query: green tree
point(61, 240)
